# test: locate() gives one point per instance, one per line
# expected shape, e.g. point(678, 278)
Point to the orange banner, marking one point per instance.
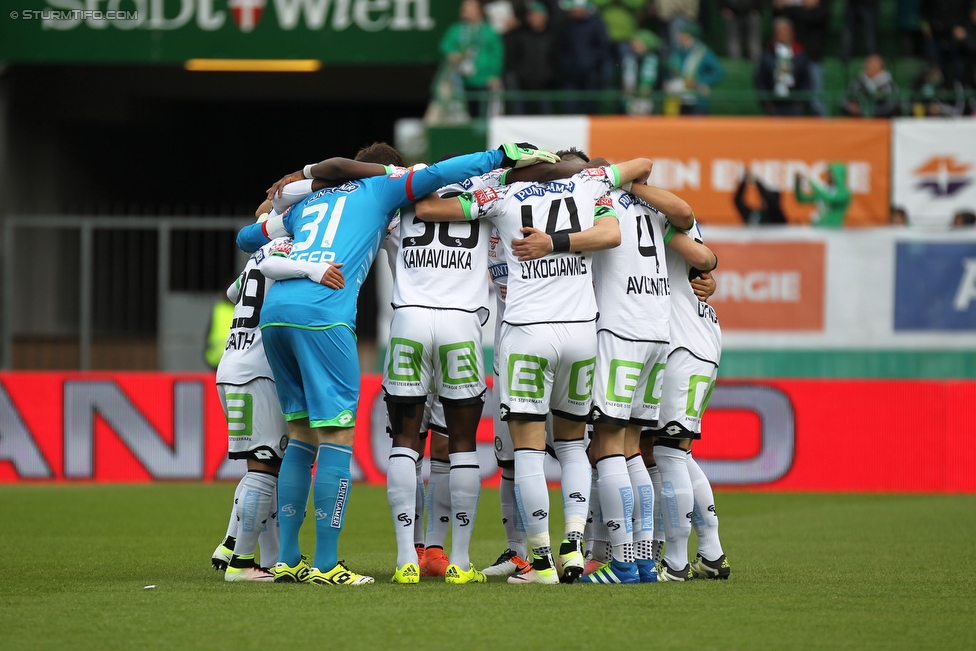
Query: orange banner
point(703, 160)
point(769, 285)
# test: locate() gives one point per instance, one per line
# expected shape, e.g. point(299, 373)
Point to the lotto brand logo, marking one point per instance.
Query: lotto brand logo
point(444, 518)
point(263, 455)
point(485, 196)
point(345, 419)
point(673, 430)
point(405, 519)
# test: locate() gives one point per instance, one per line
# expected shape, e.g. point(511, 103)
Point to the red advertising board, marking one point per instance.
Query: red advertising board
point(782, 435)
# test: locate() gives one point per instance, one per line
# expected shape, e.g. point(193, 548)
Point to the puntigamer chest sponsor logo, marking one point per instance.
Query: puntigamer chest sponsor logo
point(246, 15)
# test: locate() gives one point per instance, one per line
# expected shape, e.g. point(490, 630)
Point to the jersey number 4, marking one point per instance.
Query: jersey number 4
point(647, 250)
point(574, 222)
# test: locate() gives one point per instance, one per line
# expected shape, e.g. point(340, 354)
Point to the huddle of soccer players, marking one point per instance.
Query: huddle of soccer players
point(643, 362)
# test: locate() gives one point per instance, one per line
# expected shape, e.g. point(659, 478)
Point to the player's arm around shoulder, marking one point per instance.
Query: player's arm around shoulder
point(604, 234)
point(669, 204)
point(697, 254)
point(465, 206)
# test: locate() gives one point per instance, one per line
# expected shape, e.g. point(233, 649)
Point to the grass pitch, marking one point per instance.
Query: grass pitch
point(808, 571)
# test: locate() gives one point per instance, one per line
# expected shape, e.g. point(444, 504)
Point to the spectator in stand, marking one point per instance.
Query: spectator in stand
point(534, 57)
point(898, 217)
point(968, 46)
point(743, 28)
point(811, 19)
point(585, 51)
point(641, 81)
point(873, 92)
point(908, 23)
point(831, 198)
point(784, 71)
point(769, 210)
point(672, 14)
point(863, 14)
point(943, 24)
point(692, 71)
point(620, 18)
point(475, 51)
point(964, 218)
point(931, 96)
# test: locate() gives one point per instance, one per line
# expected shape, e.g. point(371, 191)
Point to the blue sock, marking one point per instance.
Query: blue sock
point(332, 484)
point(294, 480)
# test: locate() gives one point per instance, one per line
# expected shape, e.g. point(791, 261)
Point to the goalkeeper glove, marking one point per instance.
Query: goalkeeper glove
point(518, 156)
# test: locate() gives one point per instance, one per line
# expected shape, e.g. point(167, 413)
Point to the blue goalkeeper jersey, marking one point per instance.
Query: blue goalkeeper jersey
point(347, 224)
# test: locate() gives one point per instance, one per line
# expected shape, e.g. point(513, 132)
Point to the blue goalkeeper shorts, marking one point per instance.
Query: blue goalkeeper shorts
point(316, 372)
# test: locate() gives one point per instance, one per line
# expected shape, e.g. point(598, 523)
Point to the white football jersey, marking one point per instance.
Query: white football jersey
point(631, 281)
point(558, 287)
point(444, 265)
point(694, 324)
point(244, 358)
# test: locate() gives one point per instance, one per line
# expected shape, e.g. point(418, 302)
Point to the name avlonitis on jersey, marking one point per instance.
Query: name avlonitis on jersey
point(413, 258)
point(542, 268)
point(650, 286)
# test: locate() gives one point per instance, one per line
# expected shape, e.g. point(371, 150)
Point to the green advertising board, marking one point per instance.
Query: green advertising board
point(169, 31)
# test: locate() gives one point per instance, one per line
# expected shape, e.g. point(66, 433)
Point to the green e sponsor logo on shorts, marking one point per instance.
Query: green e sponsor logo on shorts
point(459, 364)
point(699, 391)
point(240, 414)
point(581, 379)
point(404, 364)
point(526, 376)
point(655, 385)
point(623, 380)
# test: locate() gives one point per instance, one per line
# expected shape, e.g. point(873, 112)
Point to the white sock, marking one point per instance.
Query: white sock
point(678, 504)
point(575, 484)
point(705, 518)
point(268, 538)
point(594, 511)
point(401, 492)
point(465, 491)
point(617, 504)
point(640, 481)
point(438, 503)
point(418, 523)
point(510, 518)
point(532, 498)
point(253, 512)
point(232, 524)
point(655, 474)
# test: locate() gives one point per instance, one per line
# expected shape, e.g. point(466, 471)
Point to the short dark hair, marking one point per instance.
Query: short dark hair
point(965, 218)
point(380, 152)
point(572, 153)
